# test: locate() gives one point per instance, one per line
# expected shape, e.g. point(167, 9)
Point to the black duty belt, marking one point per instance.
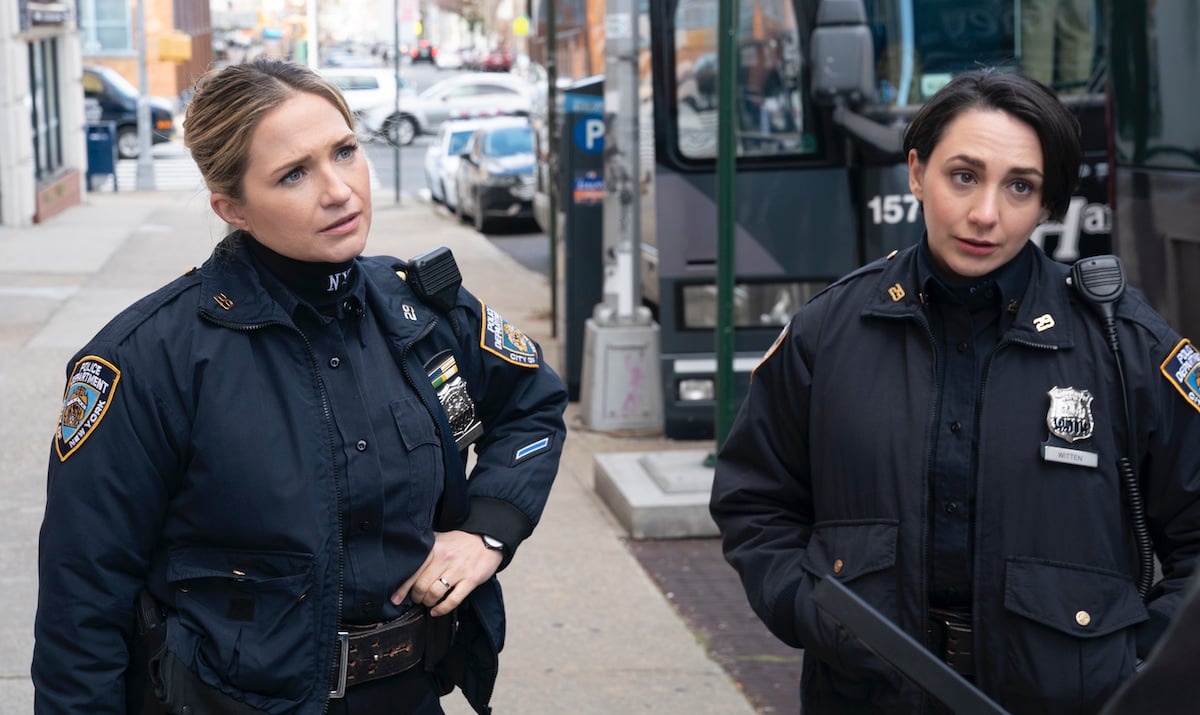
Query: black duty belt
point(950, 639)
point(381, 650)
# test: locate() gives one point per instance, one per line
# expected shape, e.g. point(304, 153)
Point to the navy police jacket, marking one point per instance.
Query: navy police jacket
point(825, 473)
point(195, 455)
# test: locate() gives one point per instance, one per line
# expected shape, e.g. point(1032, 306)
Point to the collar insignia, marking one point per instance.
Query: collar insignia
point(1043, 322)
point(86, 400)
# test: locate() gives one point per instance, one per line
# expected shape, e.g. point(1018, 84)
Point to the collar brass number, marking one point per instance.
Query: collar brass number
point(897, 293)
point(1043, 322)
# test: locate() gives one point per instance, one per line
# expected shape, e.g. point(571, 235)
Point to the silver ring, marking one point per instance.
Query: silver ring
point(444, 582)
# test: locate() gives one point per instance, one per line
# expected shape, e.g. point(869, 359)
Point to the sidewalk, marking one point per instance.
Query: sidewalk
point(588, 630)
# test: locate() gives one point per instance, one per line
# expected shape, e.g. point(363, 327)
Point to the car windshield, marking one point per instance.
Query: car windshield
point(506, 142)
point(119, 82)
point(458, 142)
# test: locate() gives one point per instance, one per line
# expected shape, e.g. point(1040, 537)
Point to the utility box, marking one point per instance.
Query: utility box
point(581, 235)
point(101, 153)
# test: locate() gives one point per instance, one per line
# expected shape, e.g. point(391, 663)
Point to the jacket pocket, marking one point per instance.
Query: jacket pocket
point(862, 555)
point(1068, 640)
point(423, 451)
point(245, 619)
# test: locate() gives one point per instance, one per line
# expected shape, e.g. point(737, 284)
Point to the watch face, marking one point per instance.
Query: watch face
point(494, 544)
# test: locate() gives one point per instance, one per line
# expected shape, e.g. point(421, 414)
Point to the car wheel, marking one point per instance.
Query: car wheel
point(400, 130)
point(481, 224)
point(128, 146)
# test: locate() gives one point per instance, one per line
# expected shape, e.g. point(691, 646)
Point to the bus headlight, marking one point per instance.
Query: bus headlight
point(696, 390)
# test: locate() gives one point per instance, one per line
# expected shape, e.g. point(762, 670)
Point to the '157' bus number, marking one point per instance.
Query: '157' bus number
point(893, 208)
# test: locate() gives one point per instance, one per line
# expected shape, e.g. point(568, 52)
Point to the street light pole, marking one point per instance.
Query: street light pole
point(145, 160)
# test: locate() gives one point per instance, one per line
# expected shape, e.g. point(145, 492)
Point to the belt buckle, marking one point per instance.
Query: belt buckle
point(343, 658)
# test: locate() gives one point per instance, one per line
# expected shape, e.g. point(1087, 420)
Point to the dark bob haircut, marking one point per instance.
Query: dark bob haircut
point(1021, 97)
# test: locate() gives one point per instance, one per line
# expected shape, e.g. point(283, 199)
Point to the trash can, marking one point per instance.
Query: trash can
point(101, 153)
point(581, 192)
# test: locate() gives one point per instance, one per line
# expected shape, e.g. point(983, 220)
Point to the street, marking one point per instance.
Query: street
point(174, 170)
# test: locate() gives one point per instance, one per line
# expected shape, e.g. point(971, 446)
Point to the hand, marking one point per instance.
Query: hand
point(459, 559)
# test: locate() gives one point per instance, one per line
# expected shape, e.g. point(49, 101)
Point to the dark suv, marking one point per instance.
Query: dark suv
point(118, 99)
point(424, 51)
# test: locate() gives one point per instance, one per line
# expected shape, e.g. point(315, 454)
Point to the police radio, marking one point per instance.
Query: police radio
point(434, 277)
point(1100, 281)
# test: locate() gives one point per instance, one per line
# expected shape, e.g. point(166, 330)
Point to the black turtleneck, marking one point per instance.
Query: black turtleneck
point(321, 285)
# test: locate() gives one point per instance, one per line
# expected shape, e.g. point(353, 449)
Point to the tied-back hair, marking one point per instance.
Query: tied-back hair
point(228, 105)
point(1021, 97)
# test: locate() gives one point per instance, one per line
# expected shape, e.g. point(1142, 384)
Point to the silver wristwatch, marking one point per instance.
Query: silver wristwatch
point(492, 543)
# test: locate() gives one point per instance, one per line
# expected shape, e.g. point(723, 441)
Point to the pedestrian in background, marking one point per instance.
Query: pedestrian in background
point(940, 430)
point(258, 481)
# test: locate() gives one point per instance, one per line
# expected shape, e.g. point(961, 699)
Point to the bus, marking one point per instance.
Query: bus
point(821, 180)
point(1156, 153)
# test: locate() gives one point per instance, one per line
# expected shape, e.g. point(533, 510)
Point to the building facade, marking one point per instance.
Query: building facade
point(42, 145)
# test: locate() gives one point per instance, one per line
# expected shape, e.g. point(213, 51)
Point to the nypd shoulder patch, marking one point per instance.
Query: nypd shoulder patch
point(89, 392)
point(771, 350)
point(505, 340)
point(1182, 370)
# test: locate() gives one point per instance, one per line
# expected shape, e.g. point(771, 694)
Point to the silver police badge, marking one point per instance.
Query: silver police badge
point(1069, 420)
point(455, 399)
point(1070, 414)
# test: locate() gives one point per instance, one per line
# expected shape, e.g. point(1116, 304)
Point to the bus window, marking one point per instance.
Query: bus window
point(771, 114)
point(919, 46)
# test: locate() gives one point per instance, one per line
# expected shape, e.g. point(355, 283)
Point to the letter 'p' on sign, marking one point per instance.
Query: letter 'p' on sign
point(589, 134)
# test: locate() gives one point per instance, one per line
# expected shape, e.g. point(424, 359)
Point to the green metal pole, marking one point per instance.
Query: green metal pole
point(552, 133)
point(726, 158)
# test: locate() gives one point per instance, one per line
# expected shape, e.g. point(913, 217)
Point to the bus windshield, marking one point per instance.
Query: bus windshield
point(919, 46)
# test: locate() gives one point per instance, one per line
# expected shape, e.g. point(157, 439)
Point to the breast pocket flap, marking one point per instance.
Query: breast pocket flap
point(1080, 601)
point(413, 420)
point(851, 549)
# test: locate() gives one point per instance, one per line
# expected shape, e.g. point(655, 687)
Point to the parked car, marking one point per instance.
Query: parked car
point(442, 157)
point(499, 59)
point(449, 58)
point(367, 91)
point(424, 51)
point(118, 100)
point(495, 173)
point(461, 97)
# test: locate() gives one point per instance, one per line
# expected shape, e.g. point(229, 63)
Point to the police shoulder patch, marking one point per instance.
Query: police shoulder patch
point(505, 340)
point(771, 350)
point(1182, 370)
point(90, 390)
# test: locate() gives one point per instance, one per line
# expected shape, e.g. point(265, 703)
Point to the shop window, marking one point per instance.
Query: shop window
point(46, 115)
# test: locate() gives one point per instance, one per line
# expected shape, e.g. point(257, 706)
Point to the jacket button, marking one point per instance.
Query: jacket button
point(962, 347)
point(951, 507)
point(361, 446)
point(334, 362)
point(1083, 618)
point(955, 426)
point(838, 566)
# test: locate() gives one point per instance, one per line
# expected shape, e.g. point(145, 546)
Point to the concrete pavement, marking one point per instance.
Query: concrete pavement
point(589, 632)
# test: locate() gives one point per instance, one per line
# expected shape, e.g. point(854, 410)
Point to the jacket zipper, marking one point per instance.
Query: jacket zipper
point(924, 595)
point(983, 384)
point(332, 448)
